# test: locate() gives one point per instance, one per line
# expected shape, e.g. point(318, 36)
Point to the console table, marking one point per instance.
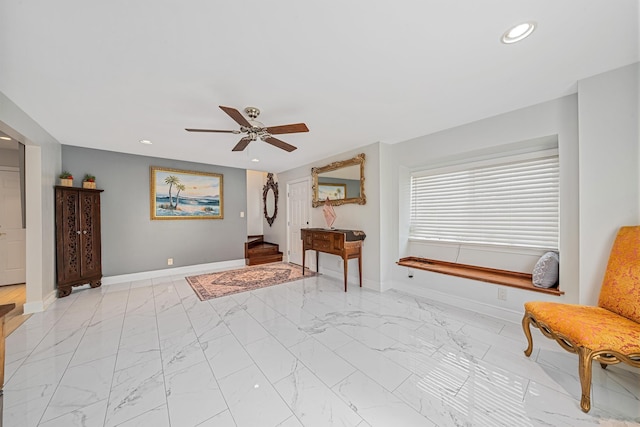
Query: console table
point(344, 243)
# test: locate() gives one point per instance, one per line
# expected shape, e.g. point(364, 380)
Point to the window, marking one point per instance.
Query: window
point(509, 201)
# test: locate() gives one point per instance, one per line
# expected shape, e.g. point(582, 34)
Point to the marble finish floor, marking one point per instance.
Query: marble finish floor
point(150, 353)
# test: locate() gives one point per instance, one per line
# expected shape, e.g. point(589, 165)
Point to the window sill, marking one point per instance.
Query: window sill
point(501, 277)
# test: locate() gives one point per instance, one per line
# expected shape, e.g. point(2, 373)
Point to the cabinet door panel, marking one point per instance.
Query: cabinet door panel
point(69, 244)
point(90, 234)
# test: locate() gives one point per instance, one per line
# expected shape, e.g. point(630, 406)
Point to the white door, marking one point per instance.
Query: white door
point(12, 235)
point(298, 205)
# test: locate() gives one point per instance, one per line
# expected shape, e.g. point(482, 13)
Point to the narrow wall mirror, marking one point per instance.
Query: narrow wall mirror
point(342, 182)
point(270, 199)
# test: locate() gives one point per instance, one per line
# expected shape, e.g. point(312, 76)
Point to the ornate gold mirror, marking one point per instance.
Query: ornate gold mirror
point(270, 199)
point(342, 182)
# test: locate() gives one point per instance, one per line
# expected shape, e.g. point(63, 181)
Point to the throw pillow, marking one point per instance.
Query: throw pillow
point(547, 271)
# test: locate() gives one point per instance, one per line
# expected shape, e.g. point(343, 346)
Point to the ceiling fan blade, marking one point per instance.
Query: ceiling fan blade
point(280, 144)
point(236, 115)
point(212, 130)
point(293, 128)
point(242, 144)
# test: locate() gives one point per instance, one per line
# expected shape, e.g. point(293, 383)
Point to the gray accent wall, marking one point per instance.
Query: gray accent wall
point(131, 241)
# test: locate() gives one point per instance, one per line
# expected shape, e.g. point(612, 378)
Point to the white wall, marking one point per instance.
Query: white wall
point(609, 168)
point(255, 214)
point(362, 217)
point(43, 164)
point(558, 117)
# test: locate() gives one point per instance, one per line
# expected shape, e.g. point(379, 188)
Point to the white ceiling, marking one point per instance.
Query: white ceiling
point(107, 74)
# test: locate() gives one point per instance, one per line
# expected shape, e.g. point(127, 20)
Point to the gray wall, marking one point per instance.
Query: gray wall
point(9, 158)
point(131, 241)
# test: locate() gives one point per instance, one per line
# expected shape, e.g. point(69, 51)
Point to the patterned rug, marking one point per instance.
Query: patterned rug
point(214, 285)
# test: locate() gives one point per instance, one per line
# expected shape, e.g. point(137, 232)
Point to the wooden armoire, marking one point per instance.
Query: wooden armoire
point(78, 252)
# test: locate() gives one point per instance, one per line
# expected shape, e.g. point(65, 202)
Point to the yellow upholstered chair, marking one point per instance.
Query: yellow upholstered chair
point(608, 333)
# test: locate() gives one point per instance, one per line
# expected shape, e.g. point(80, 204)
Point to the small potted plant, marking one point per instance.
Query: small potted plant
point(66, 179)
point(89, 181)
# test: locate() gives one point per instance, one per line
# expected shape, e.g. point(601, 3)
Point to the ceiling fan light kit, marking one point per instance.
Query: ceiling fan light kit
point(254, 129)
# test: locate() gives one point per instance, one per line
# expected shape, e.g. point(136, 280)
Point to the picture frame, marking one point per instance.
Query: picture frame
point(332, 191)
point(183, 194)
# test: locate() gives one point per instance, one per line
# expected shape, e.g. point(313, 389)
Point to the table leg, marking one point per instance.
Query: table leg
point(317, 261)
point(303, 256)
point(1, 354)
point(360, 268)
point(346, 264)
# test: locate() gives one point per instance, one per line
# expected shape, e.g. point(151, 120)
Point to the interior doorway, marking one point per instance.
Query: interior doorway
point(13, 251)
point(298, 216)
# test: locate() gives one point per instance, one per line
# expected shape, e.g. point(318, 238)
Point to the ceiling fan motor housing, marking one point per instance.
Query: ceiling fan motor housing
point(252, 112)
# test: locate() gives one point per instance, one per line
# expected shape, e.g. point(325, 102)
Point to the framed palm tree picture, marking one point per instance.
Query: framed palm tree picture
point(332, 191)
point(180, 194)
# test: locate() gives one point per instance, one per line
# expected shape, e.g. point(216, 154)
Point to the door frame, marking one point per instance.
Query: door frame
point(17, 170)
point(311, 263)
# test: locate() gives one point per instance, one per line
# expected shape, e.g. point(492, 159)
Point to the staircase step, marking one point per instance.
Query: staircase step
point(263, 249)
point(264, 259)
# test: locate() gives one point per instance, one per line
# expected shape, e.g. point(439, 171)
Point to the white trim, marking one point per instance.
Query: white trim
point(306, 180)
point(222, 265)
point(38, 306)
point(464, 303)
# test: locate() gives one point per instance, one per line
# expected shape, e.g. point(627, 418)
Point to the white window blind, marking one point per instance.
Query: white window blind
point(514, 203)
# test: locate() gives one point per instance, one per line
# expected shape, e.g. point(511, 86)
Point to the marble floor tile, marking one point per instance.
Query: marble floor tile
point(376, 405)
point(373, 364)
point(304, 353)
point(134, 391)
point(87, 416)
point(313, 402)
point(252, 400)
point(157, 417)
point(81, 386)
point(273, 359)
point(193, 395)
point(326, 364)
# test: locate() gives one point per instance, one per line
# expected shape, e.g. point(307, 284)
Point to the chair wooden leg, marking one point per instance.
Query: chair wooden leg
point(526, 321)
point(584, 369)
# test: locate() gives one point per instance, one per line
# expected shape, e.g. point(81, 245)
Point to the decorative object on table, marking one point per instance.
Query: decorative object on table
point(329, 213)
point(254, 129)
point(215, 285)
point(181, 194)
point(66, 179)
point(270, 199)
point(89, 181)
point(78, 242)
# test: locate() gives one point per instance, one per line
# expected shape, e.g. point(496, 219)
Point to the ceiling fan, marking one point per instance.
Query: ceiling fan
point(254, 129)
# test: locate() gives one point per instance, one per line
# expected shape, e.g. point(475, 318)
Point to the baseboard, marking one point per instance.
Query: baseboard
point(456, 301)
point(352, 279)
point(38, 306)
point(132, 277)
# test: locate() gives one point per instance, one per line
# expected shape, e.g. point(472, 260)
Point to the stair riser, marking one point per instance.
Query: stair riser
point(263, 251)
point(264, 259)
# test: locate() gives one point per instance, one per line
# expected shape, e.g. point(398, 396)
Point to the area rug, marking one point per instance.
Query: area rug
point(215, 285)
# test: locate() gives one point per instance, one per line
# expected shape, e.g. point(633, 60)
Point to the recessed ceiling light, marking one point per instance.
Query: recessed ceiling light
point(518, 32)
point(255, 160)
point(6, 138)
point(145, 141)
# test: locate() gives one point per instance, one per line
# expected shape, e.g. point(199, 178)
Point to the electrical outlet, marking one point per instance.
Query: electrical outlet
point(170, 261)
point(502, 294)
